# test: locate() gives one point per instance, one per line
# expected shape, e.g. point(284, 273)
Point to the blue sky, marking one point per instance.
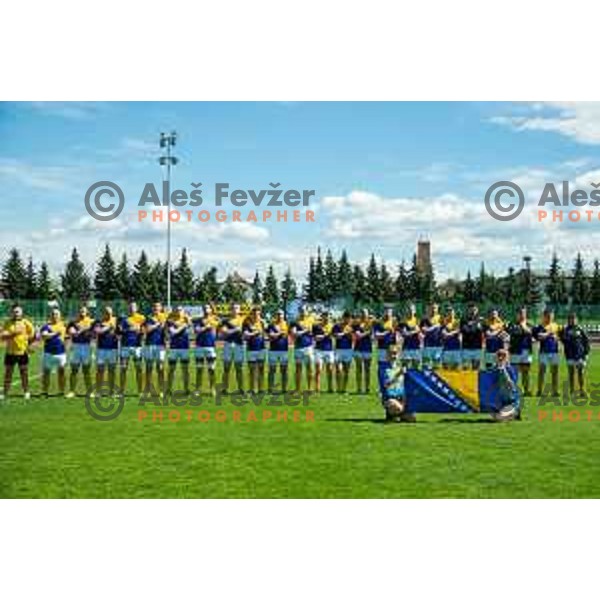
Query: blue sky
point(384, 174)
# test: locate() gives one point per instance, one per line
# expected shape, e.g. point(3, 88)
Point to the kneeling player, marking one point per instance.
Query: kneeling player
point(55, 357)
point(206, 328)
point(392, 390)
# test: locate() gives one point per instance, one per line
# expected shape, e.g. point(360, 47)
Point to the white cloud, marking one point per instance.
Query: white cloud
point(577, 120)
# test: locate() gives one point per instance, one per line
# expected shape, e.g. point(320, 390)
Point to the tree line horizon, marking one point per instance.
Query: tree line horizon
point(328, 280)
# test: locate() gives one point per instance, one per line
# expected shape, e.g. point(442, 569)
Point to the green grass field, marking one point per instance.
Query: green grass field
point(53, 449)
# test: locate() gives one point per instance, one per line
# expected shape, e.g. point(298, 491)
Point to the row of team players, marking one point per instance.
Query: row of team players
point(431, 340)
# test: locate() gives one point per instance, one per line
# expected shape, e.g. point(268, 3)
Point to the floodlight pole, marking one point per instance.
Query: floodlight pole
point(168, 141)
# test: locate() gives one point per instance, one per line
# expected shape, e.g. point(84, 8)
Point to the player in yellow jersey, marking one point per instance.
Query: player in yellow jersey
point(324, 352)
point(206, 329)
point(277, 333)
point(18, 333)
point(80, 332)
point(233, 348)
point(304, 355)
point(154, 348)
point(107, 350)
point(254, 333)
point(131, 332)
point(53, 335)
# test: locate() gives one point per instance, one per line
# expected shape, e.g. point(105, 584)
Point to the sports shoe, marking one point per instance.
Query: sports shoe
point(27, 396)
point(70, 395)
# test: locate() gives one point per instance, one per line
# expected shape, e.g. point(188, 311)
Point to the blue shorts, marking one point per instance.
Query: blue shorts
point(278, 357)
point(81, 354)
point(344, 355)
point(451, 357)
point(412, 354)
point(179, 354)
point(549, 359)
point(432, 353)
point(106, 356)
point(233, 353)
point(134, 352)
point(208, 353)
point(305, 355)
point(471, 355)
point(253, 356)
point(154, 353)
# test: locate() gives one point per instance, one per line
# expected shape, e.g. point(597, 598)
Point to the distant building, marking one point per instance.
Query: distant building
point(424, 256)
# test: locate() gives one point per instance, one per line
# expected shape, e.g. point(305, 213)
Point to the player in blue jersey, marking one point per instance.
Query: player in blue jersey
point(81, 333)
point(451, 341)
point(131, 332)
point(520, 344)
point(363, 351)
point(233, 347)
point(154, 347)
point(547, 334)
point(577, 348)
point(411, 339)
point(471, 331)
point(206, 329)
point(53, 334)
point(495, 337)
point(107, 342)
point(343, 336)
point(254, 334)
point(431, 328)
point(303, 347)
point(178, 331)
point(277, 333)
point(324, 352)
point(385, 332)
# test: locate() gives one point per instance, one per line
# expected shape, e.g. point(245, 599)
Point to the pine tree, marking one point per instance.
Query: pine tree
point(288, 289)
point(374, 291)
point(529, 286)
point(157, 282)
point(482, 286)
point(271, 289)
point(579, 288)
point(75, 282)
point(556, 288)
point(595, 284)
point(141, 280)
point(183, 279)
point(387, 284)
point(105, 282)
point(414, 281)
point(13, 276)
point(124, 277)
point(44, 284)
point(211, 285)
point(359, 292)
point(469, 289)
point(231, 291)
point(31, 291)
point(508, 288)
point(402, 284)
point(345, 283)
point(330, 277)
point(310, 289)
point(257, 289)
point(319, 278)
